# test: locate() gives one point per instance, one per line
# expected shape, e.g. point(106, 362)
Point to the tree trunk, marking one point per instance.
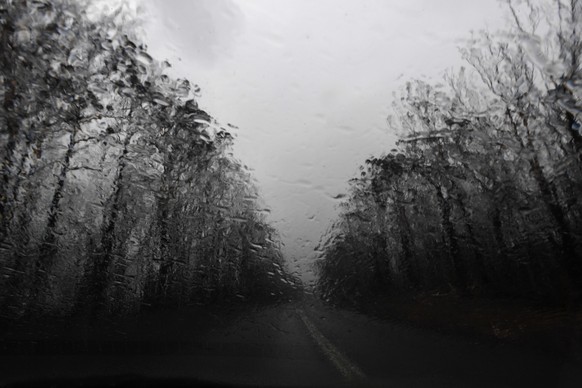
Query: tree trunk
point(450, 240)
point(96, 295)
point(12, 128)
point(411, 272)
point(49, 246)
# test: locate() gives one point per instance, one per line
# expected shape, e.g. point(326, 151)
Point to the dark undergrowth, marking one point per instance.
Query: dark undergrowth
point(532, 324)
point(153, 330)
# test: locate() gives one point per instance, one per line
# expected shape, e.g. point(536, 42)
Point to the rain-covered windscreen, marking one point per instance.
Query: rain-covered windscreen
point(291, 193)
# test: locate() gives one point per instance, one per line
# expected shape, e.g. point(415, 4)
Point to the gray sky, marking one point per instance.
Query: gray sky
point(309, 84)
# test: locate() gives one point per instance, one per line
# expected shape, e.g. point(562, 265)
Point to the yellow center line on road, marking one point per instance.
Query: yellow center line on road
point(347, 368)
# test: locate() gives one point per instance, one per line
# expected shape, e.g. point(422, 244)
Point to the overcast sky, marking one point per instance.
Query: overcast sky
point(309, 84)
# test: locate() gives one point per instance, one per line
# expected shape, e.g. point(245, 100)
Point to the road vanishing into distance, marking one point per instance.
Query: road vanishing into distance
point(292, 344)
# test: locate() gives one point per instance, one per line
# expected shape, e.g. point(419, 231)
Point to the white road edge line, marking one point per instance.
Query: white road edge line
point(347, 368)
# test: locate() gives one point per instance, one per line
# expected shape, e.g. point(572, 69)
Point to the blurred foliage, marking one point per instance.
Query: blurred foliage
point(483, 195)
point(117, 190)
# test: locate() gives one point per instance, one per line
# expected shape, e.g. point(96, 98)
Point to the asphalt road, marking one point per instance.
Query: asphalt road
point(295, 344)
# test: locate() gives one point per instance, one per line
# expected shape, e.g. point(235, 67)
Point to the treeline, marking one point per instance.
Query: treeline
point(483, 195)
point(117, 190)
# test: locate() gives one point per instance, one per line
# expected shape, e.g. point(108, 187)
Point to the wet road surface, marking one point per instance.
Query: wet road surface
point(294, 344)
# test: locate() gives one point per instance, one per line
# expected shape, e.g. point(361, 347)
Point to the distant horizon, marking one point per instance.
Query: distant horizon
point(311, 103)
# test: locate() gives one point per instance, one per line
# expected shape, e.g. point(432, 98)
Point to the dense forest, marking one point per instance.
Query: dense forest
point(117, 190)
point(482, 196)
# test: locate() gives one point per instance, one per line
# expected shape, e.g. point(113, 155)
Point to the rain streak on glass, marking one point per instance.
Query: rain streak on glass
point(291, 193)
